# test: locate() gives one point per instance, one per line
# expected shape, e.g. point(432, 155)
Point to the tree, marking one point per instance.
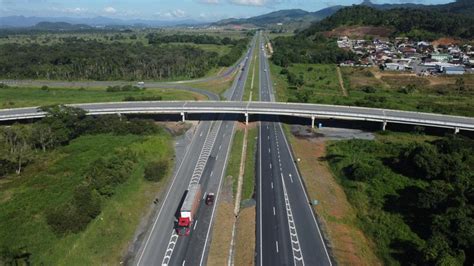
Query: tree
point(43, 135)
point(460, 84)
point(17, 140)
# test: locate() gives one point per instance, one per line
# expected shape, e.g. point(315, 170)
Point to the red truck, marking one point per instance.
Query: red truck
point(188, 210)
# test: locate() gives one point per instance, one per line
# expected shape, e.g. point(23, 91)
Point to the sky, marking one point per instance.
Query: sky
point(205, 10)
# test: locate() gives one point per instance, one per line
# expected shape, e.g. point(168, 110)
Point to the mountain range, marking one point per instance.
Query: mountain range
point(297, 17)
point(305, 17)
point(22, 21)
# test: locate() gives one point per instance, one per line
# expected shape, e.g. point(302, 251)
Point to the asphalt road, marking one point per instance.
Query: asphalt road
point(287, 231)
point(162, 245)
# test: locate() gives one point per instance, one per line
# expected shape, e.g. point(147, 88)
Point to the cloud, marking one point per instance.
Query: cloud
point(110, 10)
point(250, 2)
point(178, 13)
point(210, 2)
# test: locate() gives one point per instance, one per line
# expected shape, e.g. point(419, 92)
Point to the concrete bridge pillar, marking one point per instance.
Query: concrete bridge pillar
point(246, 118)
point(183, 117)
point(312, 121)
point(384, 125)
point(456, 130)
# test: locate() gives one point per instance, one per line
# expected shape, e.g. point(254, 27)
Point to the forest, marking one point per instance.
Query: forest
point(405, 22)
point(78, 59)
point(415, 199)
point(315, 50)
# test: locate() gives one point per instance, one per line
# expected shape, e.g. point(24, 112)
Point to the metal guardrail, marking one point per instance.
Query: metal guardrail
point(258, 108)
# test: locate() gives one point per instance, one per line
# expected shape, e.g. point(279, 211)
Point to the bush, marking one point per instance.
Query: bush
point(364, 170)
point(74, 216)
point(368, 89)
point(155, 171)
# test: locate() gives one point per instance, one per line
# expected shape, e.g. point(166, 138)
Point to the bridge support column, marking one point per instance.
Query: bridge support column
point(312, 121)
point(456, 130)
point(246, 118)
point(183, 117)
point(384, 125)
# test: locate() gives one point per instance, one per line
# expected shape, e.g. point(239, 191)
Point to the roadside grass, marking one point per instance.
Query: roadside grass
point(217, 86)
point(254, 71)
point(369, 199)
point(49, 183)
point(248, 184)
point(233, 165)
point(372, 88)
point(245, 237)
point(13, 97)
point(280, 83)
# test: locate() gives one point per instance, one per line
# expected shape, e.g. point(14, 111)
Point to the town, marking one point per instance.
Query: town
point(424, 58)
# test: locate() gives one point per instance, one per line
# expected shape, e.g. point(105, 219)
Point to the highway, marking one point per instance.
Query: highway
point(287, 231)
point(204, 163)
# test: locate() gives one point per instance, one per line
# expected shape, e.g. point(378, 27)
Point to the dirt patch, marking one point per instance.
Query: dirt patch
point(360, 32)
point(222, 229)
point(349, 245)
point(245, 237)
point(176, 128)
point(445, 41)
point(241, 126)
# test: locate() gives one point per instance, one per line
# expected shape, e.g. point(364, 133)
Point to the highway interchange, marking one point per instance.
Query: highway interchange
point(287, 230)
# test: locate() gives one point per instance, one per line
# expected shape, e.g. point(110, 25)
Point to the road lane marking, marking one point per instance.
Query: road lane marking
point(272, 184)
point(270, 165)
point(184, 262)
point(291, 178)
point(188, 148)
point(212, 172)
point(216, 199)
point(274, 213)
point(276, 244)
point(306, 196)
point(295, 244)
point(195, 224)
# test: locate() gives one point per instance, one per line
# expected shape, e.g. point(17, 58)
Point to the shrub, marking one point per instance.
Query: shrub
point(368, 89)
point(363, 170)
point(155, 171)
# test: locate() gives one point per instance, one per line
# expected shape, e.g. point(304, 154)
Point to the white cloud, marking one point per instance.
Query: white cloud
point(110, 10)
point(250, 2)
point(178, 13)
point(211, 2)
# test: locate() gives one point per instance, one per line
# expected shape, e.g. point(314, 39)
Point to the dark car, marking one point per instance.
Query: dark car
point(210, 199)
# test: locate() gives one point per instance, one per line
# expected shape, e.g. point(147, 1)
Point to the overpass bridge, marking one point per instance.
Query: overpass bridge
point(248, 109)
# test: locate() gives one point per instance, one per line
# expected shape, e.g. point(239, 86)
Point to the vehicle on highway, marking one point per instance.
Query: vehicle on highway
point(188, 210)
point(140, 84)
point(210, 198)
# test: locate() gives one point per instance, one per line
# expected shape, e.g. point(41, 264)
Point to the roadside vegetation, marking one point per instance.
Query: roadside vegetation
point(412, 195)
point(369, 87)
point(72, 187)
point(13, 97)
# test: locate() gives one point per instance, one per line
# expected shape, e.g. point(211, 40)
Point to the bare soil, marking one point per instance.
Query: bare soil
point(245, 237)
point(360, 31)
point(349, 244)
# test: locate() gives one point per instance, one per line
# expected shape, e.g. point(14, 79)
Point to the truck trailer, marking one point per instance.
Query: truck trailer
point(188, 209)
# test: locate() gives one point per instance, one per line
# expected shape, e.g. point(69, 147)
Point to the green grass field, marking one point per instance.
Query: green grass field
point(410, 93)
point(48, 183)
point(13, 97)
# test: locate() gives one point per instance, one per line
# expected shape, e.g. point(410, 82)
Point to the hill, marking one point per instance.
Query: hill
point(282, 16)
point(45, 25)
point(424, 23)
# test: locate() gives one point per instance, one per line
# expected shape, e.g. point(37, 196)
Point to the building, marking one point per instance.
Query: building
point(441, 57)
point(455, 70)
